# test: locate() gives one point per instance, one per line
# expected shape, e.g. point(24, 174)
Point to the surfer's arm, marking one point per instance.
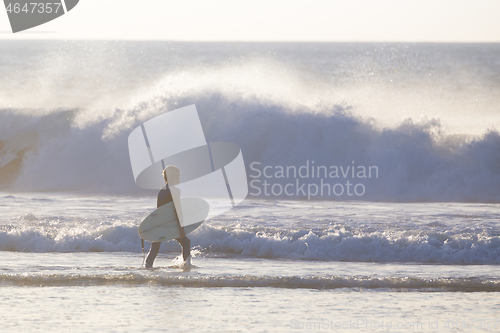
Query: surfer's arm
point(176, 197)
point(158, 200)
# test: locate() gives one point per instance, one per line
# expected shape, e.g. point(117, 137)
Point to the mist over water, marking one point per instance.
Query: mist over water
point(425, 114)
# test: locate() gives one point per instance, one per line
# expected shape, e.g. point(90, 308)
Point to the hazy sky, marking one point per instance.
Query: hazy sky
point(268, 20)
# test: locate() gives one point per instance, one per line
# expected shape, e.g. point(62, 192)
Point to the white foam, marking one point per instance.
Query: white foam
point(250, 281)
point(340, 242)
point(415, 160)
point(277, 113)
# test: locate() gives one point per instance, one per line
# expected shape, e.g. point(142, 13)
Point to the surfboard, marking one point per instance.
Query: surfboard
point(162, 224)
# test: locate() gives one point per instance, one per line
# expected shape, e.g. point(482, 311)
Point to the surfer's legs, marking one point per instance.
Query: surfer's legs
point(153, 251)
point(186, 246)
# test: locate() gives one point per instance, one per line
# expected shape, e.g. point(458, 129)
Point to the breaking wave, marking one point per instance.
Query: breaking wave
point(416, 161)
point(278, 114)
point(465, 245)
point(249, 281)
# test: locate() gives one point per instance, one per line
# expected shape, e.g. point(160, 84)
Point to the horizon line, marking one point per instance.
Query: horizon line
point(241, 41)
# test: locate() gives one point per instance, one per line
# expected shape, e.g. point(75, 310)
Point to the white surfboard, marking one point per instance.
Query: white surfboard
point(162, 224)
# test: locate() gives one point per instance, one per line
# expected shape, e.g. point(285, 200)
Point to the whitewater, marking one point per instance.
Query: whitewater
point(442, 144)
point(266, 265)
point(413, 125)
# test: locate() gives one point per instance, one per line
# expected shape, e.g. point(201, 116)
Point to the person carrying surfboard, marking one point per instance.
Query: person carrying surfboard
point(170, 193)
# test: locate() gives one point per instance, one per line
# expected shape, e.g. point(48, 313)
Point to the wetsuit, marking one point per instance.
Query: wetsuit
point(164, 197)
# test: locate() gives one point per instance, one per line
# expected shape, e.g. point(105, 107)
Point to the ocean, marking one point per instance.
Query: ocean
point(374, 187)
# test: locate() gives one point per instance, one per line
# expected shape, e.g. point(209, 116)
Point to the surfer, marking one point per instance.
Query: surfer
point(170, 193)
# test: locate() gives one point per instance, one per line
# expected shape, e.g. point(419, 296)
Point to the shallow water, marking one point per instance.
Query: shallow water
point(178, 309)
point(74, 262)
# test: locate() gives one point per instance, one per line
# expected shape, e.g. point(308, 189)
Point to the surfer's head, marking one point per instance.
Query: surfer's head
point(172, 175)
